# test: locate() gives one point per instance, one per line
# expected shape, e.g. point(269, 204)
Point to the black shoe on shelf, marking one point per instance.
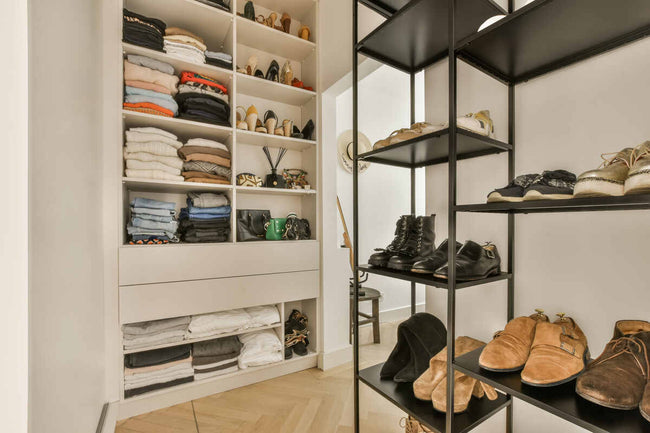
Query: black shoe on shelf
point(514, 191)
point(288, 353)
point(272, 74)
point(474, 262)
point(308, 130)
point(418, 246)
point(402, 230)
point(434, 261)
point(551, 185)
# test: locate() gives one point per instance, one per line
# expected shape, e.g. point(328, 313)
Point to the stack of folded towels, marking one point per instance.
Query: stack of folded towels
point(215, 357)
point(260, 348)
point(206, 218)
point(221, 59)
point(152, 153)
point(155, 332)
point(149, 86)
point(143, 31)
point(157, 369)
point(208, 325)
point(263, 315)
point(206, 161)
point(152, 221)
point(185, 45)
point(203, 99)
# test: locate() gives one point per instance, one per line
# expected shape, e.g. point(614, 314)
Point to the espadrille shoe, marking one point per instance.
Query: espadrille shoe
point(608, 179)
point(638, 178)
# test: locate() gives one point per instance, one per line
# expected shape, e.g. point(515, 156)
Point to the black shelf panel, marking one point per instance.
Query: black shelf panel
point(428, 279)
point(549, 34)
point(583, 204)
point(432, 149)
point(416, 36)
point(560, 400)
point(401, 395)
point(385, 7)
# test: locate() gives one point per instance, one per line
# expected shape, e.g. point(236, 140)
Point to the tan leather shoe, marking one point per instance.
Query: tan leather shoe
point(464, 388)
point(644, 407)
point(638, 178)
point(617, 378)
point(509, 349)
point(608, 179)
point(558, 353)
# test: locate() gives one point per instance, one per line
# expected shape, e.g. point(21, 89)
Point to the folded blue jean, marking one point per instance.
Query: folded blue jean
point(155, 225)
point(141, 202)
point(201, 216)
point(150, 232)
point(216, 211)
point(149, 238)
point(158, 218)
point(169, 104)
point(150, 211)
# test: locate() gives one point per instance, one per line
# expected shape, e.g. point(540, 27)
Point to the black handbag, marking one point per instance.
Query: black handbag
point(296, 228)
point(251, 224)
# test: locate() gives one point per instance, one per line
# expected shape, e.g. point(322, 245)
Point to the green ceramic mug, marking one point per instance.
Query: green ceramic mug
point(275, 228)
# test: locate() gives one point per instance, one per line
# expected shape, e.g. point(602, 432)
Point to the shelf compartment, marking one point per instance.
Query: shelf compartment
point(266, 89)
point(224, 76)
point(431, 149)
point(298, 9)
point(397, 43)
point(260, 139)
point(261, 37)
point(401, 395)
point(274, 191)
point(385, 8)
point(549, 34)
point(151, 185)
point(581, 204)
point(428, 279)
point(561, 401)
point(181, 127)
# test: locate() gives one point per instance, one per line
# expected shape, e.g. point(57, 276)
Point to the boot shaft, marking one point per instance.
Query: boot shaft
point(403, 227)
point(421, 237)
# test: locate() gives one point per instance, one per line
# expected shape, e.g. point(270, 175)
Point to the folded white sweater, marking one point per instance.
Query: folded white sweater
point(139, 136)
point(152, 165)
point(153, 147)
point(153, 174)
point(263, 315)
point(171, 161)
point(206, 143)
point(260, 348)
point(218, 323)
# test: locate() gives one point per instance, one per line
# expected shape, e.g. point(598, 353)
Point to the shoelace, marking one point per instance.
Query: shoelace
point(635, 155)
point(630, 346)
point(414, 242)
point(613, 157)
point(400, 238)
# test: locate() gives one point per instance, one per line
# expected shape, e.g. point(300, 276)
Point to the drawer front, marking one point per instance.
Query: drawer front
point(158, 301)
point(168, 263)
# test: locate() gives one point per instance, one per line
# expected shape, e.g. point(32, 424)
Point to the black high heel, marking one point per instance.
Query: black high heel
point(259, 74)
point(296, 132)
point(249, 11)
point(308, 130)
point(272, 74)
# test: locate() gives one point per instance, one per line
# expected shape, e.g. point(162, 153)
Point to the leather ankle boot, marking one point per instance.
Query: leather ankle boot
point(434, 261)
point(618, 377)
point(558, 353)
point(509, 349)
point(473, 262)
point(418, 246)
point(402, 229)
point(644, 407)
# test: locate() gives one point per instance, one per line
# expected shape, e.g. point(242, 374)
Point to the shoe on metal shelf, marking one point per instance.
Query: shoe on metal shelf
point(617, 378)
point(607, 180)
point(638, 178)
point(514, 191)
point(418, 246)
point(434, 261)
point(402, 230)
point(473, 262)
point(551, 185)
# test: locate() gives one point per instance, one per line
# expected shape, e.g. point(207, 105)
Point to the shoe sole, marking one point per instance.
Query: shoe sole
point(421, 271)
point(482, 277)
point(597, 188)
point(585, 361)
point(400, 268)
point(495, 197)
point(502, 370)
point(377, 264)
point(604, 404)
point(637, 184)
point(536, 195)
point(645, 415)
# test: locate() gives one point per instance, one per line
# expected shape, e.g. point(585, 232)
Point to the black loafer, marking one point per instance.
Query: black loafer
point(435, 261)
point(474, 262)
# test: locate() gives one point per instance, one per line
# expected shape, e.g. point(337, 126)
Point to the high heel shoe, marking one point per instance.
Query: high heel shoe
point(304, 33)
point(251, 65)
point(308, 130)
point(251, 118)
point(270, 21)
point(249, 11)
point(259, 127)
point(272, 72)
point(240, 116)
point(279, 131)
point(286, 22)
point(270, 121)
point(259, 74)
point(296, 132)
point(287, 126)
point(286, 75)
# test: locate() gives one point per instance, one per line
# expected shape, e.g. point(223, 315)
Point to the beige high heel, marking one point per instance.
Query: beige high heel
point(270, 21)
point(270, 121)
point(304, 33)
point(251, 118)
point(241, 123)
point(286, 75)
point(287, 126)
point(279, 131)
point(259, 127)
point(251, 65)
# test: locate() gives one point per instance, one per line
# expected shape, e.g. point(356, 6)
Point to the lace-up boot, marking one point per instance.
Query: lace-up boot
point(638, 178)
point(402, 229)
point(616, 379)
point(608, 179)
point(418, 246)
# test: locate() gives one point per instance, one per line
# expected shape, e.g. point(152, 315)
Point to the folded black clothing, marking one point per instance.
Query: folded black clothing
point(199, 116)
point(130, 16)
point(203, 102)
point(220, 346)
point(204, 224)
point(137, 391)
point(218, 62)
point(143, 38)
point(213, 238)
point(157, 357)
point(206, 233)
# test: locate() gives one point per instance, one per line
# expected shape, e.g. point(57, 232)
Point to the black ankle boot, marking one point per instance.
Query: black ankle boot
point(418, 246)
point(402, 229)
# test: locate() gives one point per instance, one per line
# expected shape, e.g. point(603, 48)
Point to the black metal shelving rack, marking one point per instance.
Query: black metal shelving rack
point(538, 38)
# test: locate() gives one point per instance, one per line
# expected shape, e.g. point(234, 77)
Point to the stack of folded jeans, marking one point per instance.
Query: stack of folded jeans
point(260, 348)
point(207, 222)
point(185, 45)
point(206, 161)
point(157, 369)
point(155, 332)
point(143, 31)
point(221, 59)
point(151, 153)
point(204, 99)
point(149, 86)
point(215, 357)
point(152, 221)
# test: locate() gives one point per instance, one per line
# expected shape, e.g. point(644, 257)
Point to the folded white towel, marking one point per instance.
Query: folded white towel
point(171, 161)
point(153, 147)
point(143, 137)
point(187, 372)
point(154, 326)
point(201, 376)
point(174, 336)
point(206, 143)
point(264, 315)
point(153, 174)
point(259, 348)
point(218, 323)
point(258, 359)
point(151, 165)
point(172, 369)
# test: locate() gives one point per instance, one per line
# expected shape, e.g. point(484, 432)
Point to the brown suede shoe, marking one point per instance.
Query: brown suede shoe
point(558, 354)
point(616, 379)
point(509, 349)
point(464, 388)
point(644, 407)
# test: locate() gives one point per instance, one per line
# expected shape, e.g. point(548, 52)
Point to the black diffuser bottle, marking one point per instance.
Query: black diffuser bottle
point(274, 180)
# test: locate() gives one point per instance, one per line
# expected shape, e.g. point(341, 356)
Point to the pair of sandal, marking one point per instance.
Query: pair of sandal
point(295, 335)
point(417, 129)
point(248, 120)
point(273, 73)
point(299, 84)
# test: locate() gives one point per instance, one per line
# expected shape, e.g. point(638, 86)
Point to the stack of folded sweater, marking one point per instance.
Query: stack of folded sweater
point(260, 348)
point(143, 31)
point(151, 153)
point(206, 161)
point(152, 333)
point(156, 369)
point(215, 357)
point(206, 218)
point(185, 45)
point(208, 325)
point(221, 59)
point(263, 315)
point(149, 85)
point(203, 99)
point(152, 221)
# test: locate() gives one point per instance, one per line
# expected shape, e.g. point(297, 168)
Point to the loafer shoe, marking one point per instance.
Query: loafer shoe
point(434, 261)
point(558, 354)
point(473, 262)
point(608, 179)
point(638, 178)
point(618, 377)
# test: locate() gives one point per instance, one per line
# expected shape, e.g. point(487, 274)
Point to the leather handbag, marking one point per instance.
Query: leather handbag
point(296, 228)
point(275, 228)
point(251, 224)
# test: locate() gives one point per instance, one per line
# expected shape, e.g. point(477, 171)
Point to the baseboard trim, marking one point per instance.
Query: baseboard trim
point(399, 314)
point(108, 418)
point(335, 358)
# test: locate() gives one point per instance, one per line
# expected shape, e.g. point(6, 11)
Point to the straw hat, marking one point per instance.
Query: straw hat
point(345, 151)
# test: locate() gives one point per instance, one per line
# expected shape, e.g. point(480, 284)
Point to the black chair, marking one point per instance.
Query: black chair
point(365, 294)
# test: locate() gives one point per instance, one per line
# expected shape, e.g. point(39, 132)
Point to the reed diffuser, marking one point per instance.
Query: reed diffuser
point(274, 180)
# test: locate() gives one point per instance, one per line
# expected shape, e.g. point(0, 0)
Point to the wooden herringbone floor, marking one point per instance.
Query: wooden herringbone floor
point(310, 401)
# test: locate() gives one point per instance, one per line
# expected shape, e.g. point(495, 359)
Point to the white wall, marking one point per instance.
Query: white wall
point(588, 265)
point(66, 344)
point(13, 239)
